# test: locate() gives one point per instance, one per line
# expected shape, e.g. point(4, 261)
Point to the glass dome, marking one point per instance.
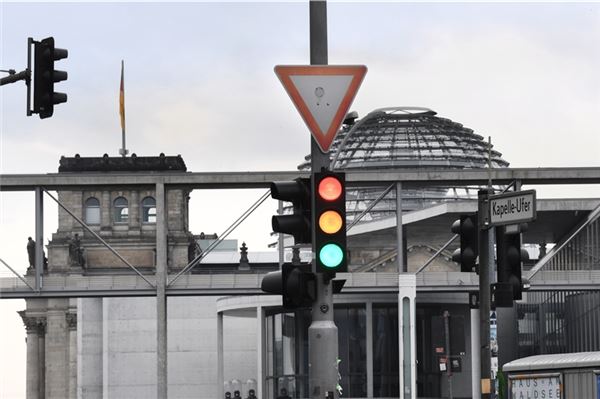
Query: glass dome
point(406, 137)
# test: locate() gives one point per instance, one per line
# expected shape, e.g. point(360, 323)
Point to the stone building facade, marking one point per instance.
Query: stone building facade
point(68, 340)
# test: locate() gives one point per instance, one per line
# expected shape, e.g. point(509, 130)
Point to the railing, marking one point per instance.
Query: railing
point(559, 322)
point(578, 251)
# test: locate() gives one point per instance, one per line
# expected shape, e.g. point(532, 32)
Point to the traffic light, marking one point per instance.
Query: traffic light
point(297, 224)
point(510, 257)
point(44, 77)
point(329, 221)
point(466, 227)
point(296, 284)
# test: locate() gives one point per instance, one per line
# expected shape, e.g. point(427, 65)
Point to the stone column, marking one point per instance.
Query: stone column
point(134, 213)
point(57, 349)
point(72, 331)
point(35, 327)
point(105, 216)
point(42, 360)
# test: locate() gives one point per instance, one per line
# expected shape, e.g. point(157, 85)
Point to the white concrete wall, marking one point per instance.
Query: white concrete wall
point(117, 348)
point(129, 333)
point(239, 340)
point(89, 348)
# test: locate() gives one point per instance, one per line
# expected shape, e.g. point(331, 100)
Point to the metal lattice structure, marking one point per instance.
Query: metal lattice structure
point(407, 137)
point(578, 253)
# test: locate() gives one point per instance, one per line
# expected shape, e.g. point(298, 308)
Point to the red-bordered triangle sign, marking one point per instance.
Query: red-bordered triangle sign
point(322, 94)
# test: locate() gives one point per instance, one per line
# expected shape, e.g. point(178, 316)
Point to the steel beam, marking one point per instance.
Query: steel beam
point(225, 180)
point(39, 238)
point(73, 292)
point(161, 297)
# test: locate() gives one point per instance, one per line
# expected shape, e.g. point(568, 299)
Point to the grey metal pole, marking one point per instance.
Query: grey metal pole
point(39, 237)
point(448, 352)
point(475, 353)
point(322, 333)
point(220, 360)
point(484, 297)
point(280, 238)
point(402, 267)
point(161, 298)
point(15, 77)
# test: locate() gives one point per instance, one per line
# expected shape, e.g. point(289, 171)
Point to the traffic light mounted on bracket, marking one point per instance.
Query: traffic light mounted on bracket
point(329, 222)
point(298, 224)
point(510, 257)
point(468, 230)
point(44, 77)
point(295, 283)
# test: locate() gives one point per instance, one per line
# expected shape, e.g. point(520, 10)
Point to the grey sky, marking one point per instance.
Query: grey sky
point(199, 82)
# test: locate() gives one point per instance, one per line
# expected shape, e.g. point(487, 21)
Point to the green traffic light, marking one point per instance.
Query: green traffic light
point(331, 255)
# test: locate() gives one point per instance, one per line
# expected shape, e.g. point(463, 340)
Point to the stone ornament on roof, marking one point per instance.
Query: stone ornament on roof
point(161, 163)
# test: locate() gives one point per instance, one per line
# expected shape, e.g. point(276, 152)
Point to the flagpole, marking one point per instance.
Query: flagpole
point(123, 151)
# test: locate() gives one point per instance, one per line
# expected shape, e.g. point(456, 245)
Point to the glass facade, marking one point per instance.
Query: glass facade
point(287, 351)
point(385, 350)
point(352, 349)
point(287, 354)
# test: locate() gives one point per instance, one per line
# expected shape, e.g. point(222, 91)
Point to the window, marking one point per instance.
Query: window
point(149, 210)
point(92, 211)
point(120, 210)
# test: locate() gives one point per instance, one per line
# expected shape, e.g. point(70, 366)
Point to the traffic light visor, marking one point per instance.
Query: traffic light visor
point(330, 222)
point(330, 188)
point(331, 255)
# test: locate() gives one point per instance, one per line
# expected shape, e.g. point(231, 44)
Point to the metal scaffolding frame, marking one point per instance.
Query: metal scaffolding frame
point(401, 179)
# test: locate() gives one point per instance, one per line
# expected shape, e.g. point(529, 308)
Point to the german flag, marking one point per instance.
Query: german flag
point(122, 98)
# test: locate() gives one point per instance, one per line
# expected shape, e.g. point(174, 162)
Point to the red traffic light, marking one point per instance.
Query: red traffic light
point(330, 188)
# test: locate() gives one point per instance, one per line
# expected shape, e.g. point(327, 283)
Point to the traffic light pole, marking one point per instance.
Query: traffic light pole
point(484, 295)
point(322, 333)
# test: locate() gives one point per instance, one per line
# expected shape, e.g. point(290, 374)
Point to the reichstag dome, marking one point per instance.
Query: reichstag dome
point(406, 137)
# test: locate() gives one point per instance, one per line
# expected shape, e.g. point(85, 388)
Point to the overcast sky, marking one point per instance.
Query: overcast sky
point(199, 82)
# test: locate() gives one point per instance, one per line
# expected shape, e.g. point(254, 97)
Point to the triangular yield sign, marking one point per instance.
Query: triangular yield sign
point(322, 94)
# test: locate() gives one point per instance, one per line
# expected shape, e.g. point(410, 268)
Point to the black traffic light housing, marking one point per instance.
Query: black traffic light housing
point(510, 257)
point(329, 222)
point(296, 284)
point(468, 230)
point(297, 224)
point(44, 77)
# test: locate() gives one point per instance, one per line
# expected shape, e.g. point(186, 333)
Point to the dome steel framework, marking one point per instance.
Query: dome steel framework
point(406, 137)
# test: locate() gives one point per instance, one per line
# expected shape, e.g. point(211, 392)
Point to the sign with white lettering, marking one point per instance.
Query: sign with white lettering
point(535, 386)
point(512, 208)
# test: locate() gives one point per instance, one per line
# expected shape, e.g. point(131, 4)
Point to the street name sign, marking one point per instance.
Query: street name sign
point(322, 94)
point(512, 208)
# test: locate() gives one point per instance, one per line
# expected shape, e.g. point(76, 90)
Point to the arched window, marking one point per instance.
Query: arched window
point(120, 210)
point(149, 210)
point(92, 211)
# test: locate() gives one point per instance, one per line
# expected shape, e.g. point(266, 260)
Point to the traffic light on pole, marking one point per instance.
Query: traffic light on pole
point(295, 283)
point(510, 257)
point(466, 227)
point(329, 221)
point(297, 224)
point(44, 77)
